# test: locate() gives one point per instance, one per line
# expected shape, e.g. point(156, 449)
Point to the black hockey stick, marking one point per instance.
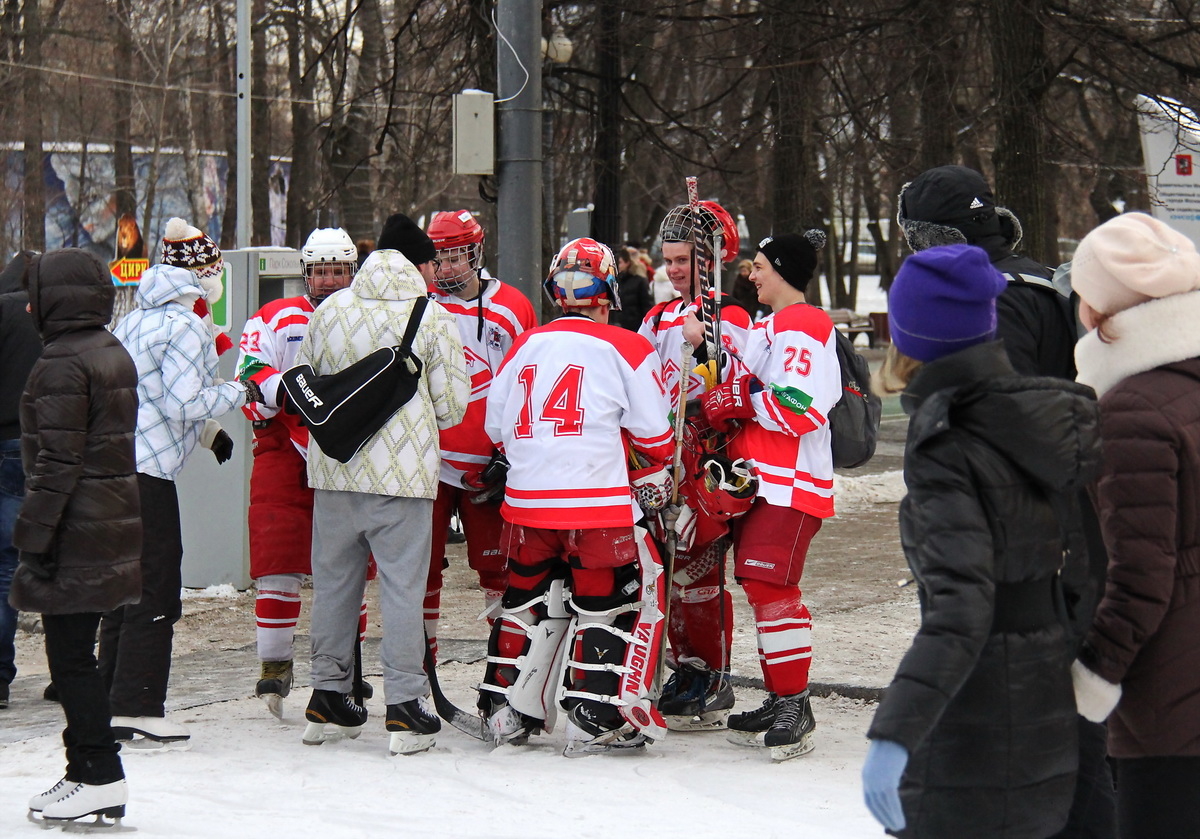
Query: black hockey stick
point(469, 724)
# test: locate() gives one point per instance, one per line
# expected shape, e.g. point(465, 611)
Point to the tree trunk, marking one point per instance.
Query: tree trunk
point(33, 228)
point(1019, 58)
point(125, 188)
point(937, 63)
point(352, 141)
point(606, 220)
point(300, 184)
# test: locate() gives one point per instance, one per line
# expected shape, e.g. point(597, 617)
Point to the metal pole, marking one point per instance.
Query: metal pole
point(519, 162)
point(242, 233)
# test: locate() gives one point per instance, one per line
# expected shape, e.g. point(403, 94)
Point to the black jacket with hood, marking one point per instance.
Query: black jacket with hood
point(983, 699)
point(78, 415)
point(20, 344)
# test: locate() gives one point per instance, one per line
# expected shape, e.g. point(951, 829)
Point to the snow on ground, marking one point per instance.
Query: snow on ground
point(856, 491)
point(247, 774)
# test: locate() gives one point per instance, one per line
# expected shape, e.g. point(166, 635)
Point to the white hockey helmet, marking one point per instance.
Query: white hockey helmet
point(332, 247)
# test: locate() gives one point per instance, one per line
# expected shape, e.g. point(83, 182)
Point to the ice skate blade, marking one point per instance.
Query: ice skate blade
point(750, 739)
point(636, 745)
point(107, 820)
point(316, 733)
point(708, 721)
point(408, 743)
point(151, 745)
point(274, 704)
point(791, 750)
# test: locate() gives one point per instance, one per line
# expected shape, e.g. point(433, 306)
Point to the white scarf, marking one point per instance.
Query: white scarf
point(1160, 331)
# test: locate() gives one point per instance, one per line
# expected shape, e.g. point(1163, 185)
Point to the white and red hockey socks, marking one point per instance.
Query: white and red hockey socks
point(784, 636)
point(276, 610)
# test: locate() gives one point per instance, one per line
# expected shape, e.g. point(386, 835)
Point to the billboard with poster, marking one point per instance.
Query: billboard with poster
point(1170, 151)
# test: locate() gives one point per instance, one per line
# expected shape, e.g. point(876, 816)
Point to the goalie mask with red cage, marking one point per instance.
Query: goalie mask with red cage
point(458, 237)
point(583, 274)
point(722, 488)
point(680, 223)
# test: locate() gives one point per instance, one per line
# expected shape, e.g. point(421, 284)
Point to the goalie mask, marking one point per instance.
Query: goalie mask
point(680, 223)
point(330, 260)
point(583, 274)
point(458, 238)
point(723, 488)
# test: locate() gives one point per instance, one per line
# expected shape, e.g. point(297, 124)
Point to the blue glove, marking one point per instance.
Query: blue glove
point(881, 773)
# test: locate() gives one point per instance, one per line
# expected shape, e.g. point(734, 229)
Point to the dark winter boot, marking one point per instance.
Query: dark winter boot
point(414, 727)
point(790, 735)
point(330, 708)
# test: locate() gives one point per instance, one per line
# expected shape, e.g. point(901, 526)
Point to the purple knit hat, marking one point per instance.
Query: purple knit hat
point(944, 300)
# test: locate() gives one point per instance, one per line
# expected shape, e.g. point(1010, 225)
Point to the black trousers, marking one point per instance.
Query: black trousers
point(1158, 797)
point(135, 640)
point(92, 753)
point(1094, 807)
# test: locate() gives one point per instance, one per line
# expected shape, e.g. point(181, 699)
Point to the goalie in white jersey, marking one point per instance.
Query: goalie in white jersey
point(570, 403)
point(782, 402)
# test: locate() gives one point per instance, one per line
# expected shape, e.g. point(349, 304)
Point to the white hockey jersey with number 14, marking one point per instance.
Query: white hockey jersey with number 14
point(565, 402)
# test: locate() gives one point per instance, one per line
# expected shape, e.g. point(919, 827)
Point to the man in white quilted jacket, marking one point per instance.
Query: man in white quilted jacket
point(380, 501)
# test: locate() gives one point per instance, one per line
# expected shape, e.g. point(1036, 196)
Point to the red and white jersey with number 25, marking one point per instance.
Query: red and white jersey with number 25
point(566, 400)
point(794, 354)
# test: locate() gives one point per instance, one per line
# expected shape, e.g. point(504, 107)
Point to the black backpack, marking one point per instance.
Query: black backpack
point(854, 420)
point(343, 410)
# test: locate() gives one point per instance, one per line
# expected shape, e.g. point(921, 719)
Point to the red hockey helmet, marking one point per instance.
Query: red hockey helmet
point(679, 222)
point(583, 274)
point(723, 488)
point(458, 237)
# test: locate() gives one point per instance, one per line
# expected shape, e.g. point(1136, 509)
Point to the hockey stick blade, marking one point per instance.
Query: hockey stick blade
point(470, 724)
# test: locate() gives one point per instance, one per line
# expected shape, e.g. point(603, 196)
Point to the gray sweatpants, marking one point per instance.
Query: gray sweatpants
point(347, 527)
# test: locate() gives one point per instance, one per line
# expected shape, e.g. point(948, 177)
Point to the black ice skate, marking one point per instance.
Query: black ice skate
point(274, 683)
point(749, 727)
point(328, 708)
point(105, 802)
point(791, 733)
point(414, 728)
point(696, 698)
point(150, 734)
point(587, 737)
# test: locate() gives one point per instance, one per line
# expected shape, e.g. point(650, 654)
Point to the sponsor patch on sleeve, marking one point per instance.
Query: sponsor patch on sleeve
point(792, 398)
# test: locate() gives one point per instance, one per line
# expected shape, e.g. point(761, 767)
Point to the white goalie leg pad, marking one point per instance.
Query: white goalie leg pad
point(534, 688)
point(640, 636)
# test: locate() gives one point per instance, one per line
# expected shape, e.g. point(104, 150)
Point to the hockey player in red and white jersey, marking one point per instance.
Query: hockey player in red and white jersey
point(698, 695)
point(281, 502)
point(782, 402)
point(490, 315)
point(570, 403)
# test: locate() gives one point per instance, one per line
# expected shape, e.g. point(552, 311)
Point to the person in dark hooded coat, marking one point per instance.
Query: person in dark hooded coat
point(79, 531)
point(976, 735)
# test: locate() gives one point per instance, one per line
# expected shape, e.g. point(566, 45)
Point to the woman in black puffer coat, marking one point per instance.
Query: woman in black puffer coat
point(977, 730)
point(79, 530)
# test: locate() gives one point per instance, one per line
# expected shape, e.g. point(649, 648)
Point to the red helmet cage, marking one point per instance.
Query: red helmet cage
point(730, 241)
point(723, 488)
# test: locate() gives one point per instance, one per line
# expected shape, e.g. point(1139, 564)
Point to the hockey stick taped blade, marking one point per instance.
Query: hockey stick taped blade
point(472, 725)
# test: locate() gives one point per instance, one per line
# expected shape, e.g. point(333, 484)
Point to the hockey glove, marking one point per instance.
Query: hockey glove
point(1095, 696)
point(881, 773)
point(214, 438)
point(652, 487)
point(43, 566)
point(731, 401)
point(253, 391)
point(489, 482)
point(681, 520)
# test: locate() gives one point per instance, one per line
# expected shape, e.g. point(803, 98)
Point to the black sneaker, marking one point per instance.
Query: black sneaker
point(790, 734)
point(328, 707)
point(413, 727)
point(3, 695)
